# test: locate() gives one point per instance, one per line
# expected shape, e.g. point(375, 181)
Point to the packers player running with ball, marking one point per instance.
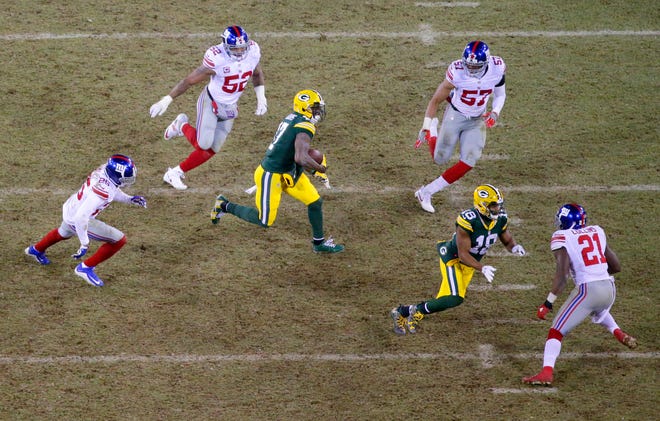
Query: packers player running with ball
point(282, 170)
point(477, 229)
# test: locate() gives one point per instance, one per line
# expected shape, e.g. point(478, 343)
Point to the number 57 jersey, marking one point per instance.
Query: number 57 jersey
point(231, 76)
point(586, 251)
point(471, 94)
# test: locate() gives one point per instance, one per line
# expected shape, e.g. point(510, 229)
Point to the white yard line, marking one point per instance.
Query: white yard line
point(426, 34)
point(485, 354)
point(447, 4)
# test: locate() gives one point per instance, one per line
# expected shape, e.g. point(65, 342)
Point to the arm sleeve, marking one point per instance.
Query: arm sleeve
point(82, 216)
point(499, 96)
point(122, 197)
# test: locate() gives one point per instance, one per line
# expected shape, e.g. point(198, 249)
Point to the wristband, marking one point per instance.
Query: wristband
point(427, 123)
point(551, 298)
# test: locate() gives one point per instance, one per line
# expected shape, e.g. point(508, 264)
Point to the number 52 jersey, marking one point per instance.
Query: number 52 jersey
point(586, 251)
point(231, 76)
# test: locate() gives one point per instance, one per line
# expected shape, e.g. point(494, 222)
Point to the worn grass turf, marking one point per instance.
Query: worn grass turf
point(232, 321)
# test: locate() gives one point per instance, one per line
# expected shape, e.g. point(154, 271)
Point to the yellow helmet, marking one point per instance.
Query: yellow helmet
point(486, 196)
point(309, 103)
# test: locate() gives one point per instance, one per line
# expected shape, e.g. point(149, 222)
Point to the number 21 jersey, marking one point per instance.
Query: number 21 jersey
point(586, 251)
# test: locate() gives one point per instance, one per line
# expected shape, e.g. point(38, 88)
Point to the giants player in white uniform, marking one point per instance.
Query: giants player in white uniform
point(582, 252)
point(228, 67)
point(79, 214)
point(467, 86)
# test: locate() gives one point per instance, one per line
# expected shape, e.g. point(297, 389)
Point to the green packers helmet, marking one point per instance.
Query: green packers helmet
point(309, 103)
point(486, 196)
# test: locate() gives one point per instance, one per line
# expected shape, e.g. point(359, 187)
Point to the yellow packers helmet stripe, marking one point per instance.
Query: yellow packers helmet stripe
point(306, 125)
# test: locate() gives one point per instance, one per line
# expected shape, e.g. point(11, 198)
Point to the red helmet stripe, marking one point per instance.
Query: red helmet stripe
point(476, 44)
point(237, 30)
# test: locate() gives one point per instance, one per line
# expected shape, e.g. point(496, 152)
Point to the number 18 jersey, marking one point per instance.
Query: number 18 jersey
point(482, 235)
point(586, 251)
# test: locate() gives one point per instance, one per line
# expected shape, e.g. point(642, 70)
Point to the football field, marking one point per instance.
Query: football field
point(232, 321)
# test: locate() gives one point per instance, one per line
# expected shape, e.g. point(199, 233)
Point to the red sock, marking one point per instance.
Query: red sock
point(455, 172)
point(195, 159)
point(106, 251)
point(49, 239)
point(190, 133)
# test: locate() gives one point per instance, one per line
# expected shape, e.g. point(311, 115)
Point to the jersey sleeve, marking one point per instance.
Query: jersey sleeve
point(305, 126)
point(464, 223)
point(452, 70)
point(211, 57)
point(558, 240)
point(255, 50)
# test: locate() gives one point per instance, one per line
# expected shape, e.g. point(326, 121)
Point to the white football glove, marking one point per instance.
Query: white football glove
point(489, 273)
point(518, 250)
point(161, 106)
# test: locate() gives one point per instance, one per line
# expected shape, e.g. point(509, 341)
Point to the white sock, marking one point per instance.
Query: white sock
point(552, 350)
point(609, 323)
point(435, 186)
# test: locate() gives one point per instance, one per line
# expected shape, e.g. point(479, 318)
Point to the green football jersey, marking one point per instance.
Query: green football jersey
point(282, 150)
point(482, 235)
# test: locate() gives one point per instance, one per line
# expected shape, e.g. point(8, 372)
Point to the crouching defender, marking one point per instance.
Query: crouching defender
point(79, 212)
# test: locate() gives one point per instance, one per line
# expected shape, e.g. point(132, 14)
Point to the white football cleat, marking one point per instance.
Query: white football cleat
point(424, 200)
point(173, 177)
point(174, 129)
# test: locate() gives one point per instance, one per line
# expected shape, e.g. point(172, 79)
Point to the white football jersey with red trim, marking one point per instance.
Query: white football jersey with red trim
point(586, 251)
point(471, 94)
point(95, 194)
point(231, 76)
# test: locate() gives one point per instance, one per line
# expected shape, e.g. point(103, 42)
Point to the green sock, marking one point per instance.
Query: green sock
point(315, 214)
point(440, 304)
point(246, 213)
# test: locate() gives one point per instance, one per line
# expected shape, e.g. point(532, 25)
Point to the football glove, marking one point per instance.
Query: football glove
point(139, 200)
point(423, 137)
point(490, 118)
point(160, 107)
point(518, 250)
point(323, 177)
point(489, 273)
point(544, 309)
point(81, 252)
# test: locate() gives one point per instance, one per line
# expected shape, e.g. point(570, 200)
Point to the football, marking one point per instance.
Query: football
point(316, 155)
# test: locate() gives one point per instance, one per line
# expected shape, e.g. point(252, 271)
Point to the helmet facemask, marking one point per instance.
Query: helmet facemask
point(318, 112)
